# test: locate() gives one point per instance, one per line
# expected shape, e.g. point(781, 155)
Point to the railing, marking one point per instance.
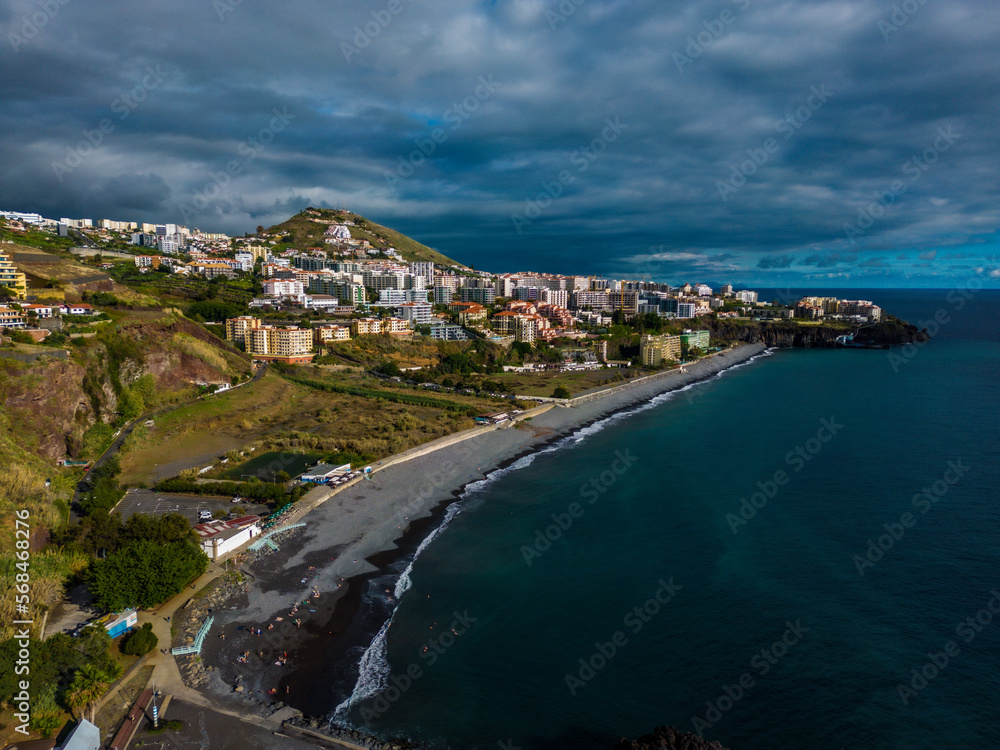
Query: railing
point(199, 640)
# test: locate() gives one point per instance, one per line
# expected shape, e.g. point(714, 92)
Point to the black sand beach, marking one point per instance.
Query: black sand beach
point(308, 598)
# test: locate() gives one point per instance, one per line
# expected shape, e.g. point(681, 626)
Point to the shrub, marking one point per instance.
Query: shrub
point(141, 642)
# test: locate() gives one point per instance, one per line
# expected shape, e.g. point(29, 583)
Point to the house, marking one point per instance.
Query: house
point(219, 538)
point(76, 308)
point(40, 311)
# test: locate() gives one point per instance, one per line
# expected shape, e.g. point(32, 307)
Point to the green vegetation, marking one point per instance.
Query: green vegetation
point(264, 492)
point(143, 574)
point(65, 672)
point(399, 398)
point(140, 642)
point(307, 228)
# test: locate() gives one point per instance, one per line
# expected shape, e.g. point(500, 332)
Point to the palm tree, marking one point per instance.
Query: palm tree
point(89, 684)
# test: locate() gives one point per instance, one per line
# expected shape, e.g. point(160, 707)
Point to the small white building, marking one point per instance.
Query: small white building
point(218, 538)
point(325, 473)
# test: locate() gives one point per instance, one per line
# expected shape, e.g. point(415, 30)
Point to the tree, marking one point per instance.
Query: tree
point(141, 642)
point(46, 716)
point(143, 574)
point(561, 392)
point(89, 684)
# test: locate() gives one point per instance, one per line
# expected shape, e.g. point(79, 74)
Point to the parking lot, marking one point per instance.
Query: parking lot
point(161, 503)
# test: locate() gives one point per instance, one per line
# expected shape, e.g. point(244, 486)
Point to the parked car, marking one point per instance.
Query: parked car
point(204, 515)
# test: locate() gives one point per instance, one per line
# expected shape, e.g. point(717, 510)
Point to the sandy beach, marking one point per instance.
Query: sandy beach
point(306, 598)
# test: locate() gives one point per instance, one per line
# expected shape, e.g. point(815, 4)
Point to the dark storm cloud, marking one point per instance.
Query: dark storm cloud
point(712, 136)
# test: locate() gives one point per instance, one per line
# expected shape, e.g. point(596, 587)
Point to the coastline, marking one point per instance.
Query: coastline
point(341, 569)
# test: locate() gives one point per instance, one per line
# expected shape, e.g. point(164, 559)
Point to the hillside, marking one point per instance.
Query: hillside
point(307, 228)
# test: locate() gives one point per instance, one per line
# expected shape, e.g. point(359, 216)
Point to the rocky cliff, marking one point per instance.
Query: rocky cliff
point(668, 738)
point(891, 332)
point(50, 404)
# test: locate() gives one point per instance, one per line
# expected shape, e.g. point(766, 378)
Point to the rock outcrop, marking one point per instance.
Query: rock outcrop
point(668, 738)
point(785, 334)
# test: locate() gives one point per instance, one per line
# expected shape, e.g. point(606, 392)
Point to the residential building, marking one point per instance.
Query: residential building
point(12, 278)
point(397, 297)
point(527, 293)
point(690, 339)
point(236, 328)
point(10, 318)
point(468, 312)
point(443, 295)
point(147, 261)
point(366, 327)
point(449, 332)
point(558, 297)
point(862, 308)
point(747, 296)
point(284, 288)
point(325, 334)
point(396, 326)
point(417, 313)
point(75, 308)
point(424, 270)
point(703, 290)
point(292, 345)
point(348, 291)
point(596, 300)
point(479, 295)
point(656, 349)
point(626, 301)
point(40, 311)
point(320, 302)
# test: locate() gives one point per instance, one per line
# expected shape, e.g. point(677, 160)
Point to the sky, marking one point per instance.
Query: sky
point(846, 143)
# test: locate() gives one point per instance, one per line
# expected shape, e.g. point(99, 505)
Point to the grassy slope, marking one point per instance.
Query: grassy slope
point(277, 414)
point(308, 229)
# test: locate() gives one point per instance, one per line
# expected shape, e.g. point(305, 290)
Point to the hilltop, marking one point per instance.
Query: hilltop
point(307, 228)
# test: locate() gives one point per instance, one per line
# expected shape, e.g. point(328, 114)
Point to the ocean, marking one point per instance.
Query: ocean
point(803, 552)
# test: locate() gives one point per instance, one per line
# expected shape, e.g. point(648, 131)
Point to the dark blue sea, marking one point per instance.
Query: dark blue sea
point(802, 553)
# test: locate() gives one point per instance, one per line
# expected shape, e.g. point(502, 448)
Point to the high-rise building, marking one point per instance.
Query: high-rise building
point(236, 328)
point(656, 349)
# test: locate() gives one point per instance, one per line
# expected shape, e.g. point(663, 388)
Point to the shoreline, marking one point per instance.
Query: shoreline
point(328, 577)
